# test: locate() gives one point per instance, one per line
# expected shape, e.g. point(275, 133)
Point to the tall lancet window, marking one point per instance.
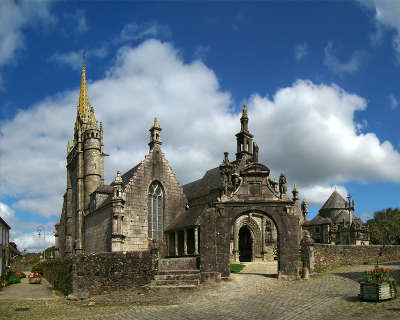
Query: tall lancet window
point(155, 211)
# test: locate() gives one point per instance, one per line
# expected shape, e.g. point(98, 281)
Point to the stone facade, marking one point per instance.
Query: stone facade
point(336, 223)
point(4, 247)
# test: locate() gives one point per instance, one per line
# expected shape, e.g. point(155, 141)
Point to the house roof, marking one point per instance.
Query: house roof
point(335, 201)
point(5, 223)
point(210, 181)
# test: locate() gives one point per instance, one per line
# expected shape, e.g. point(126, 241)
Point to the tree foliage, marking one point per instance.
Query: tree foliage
point(384, 228)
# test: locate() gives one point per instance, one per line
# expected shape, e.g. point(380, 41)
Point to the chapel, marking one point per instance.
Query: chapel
point(235, 212)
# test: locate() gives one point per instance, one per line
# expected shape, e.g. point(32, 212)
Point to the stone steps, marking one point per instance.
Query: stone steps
point(177, 282)
point(176, 274)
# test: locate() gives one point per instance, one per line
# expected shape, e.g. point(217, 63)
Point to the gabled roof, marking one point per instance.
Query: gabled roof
point(5, 223)
point(210, 181)
point(318, 220)
point(104, 188)
point(129, 174)
point(335, 201)
point(188, 218)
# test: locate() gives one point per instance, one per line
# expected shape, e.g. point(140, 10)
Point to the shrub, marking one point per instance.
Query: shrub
point(38, 267)
point(13, 278)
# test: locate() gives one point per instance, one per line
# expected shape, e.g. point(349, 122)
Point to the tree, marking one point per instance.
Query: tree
point(384, 228)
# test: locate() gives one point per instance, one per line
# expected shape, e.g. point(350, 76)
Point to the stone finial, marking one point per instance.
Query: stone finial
point(226, 158)
point(118, 178)
point(295, 193)
point(304, 208)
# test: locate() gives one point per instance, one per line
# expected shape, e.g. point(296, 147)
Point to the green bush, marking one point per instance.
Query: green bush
point(23, 275)
point(38, 267)
point(59, 273)
point(13, 278)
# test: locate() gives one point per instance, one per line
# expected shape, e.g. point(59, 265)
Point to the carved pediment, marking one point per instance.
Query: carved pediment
point(255, 169)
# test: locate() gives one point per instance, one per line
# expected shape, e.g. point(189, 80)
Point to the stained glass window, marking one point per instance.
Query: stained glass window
point(155, 211)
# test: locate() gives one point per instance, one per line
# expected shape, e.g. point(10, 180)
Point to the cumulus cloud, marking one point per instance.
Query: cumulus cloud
point(300, 51)
point(305, 130)
point(342, 67)
point(386, 14)
point(14, 16)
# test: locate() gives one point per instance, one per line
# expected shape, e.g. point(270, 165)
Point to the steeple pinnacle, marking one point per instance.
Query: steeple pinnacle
point(83, 106)
point(244, 120)
point(155, 134)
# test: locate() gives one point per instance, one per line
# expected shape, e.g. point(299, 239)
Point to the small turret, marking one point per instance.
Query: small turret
point(244, 138)
point(155, 138)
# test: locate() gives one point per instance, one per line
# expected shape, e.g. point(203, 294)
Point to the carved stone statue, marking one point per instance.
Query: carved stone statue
point(235, 181)
point(282, 185)
point(304, 208)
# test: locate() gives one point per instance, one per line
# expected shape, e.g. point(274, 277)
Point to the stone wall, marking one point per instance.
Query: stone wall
point(97, 230)
point(328, 256)
point(111, 271)
point(96, 273)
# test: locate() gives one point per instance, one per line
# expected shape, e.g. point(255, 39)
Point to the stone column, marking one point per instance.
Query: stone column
point(176, 243)
point(196, 240)
point(185, 242)
point(235, 241)
point(262, 237)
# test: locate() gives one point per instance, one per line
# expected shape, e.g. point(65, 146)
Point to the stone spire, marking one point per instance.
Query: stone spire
point(83, 104)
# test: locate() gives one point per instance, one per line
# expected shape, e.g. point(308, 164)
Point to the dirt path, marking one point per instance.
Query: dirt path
point(26, 291)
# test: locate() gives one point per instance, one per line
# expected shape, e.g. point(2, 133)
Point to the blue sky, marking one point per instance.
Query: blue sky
point(319, 79)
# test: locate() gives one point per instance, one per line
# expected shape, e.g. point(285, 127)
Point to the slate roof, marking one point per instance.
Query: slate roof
point(129, 174)
point(210, 181)
point(104, 188)
point(335, 201)
point(343, 215)
point(318, 220)
point(187, 219)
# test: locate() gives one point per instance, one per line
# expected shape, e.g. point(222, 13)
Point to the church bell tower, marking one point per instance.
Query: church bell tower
point(85, 168)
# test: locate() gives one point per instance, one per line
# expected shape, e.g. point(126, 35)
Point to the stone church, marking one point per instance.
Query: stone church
point(337, 224)
point(235, 212)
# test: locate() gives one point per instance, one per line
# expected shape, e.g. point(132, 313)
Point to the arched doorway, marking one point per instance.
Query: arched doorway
point(245, 245)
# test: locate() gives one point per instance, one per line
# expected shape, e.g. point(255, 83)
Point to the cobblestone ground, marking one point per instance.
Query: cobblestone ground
point(254, 295)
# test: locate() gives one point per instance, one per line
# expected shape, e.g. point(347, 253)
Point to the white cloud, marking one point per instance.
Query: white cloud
point(305, 130)
point(342, 67)
point(74, 58)
point(151, 29)
point(14, 16)
point(31, 241)
point(386, 14)
point(318, 194)
point(394, 103)
point(78, 19)
point(6, 212)
point(300, 51)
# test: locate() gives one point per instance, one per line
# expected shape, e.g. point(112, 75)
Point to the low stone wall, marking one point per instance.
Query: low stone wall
point(95, 273)
point(327, 256)
point(111, 271)
point(59, 273)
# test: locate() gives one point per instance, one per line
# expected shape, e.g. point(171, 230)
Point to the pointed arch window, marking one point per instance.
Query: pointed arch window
point(155, 205)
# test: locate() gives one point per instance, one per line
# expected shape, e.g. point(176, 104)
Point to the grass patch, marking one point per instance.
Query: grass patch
point(237, 268)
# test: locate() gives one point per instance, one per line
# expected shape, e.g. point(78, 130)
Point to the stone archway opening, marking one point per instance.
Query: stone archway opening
point(245, 245)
